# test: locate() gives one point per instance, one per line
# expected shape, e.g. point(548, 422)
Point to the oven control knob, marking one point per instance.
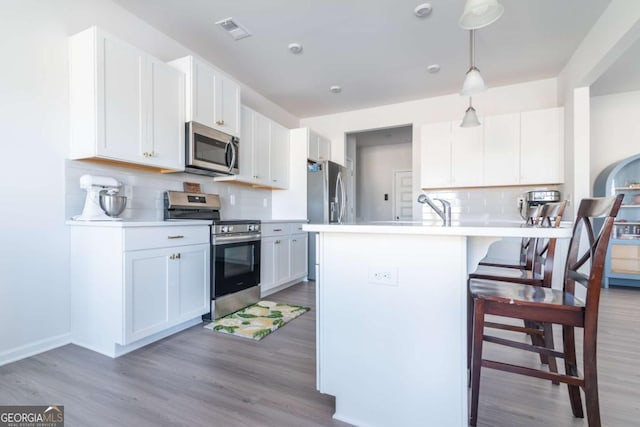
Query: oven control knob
point(223, 229)
point(230, 228)
point(251, 227)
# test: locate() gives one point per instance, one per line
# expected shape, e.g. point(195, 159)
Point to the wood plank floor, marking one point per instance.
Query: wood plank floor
point(202, 378)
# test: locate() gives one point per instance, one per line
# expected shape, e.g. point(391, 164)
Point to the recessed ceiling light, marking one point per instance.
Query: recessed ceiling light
point(433, 68)
point(233, 28)
point(422, 10)
point(295, 48)
point(335, 89)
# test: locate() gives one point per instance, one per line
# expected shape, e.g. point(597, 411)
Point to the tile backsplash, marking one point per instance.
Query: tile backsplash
point(145, 192)
point(481, 204)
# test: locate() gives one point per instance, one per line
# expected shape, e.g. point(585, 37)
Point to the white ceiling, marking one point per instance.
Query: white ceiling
point(377, 50)
point(622, 76)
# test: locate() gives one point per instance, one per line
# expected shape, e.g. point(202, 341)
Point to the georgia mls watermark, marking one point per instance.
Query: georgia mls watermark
point(32, 416)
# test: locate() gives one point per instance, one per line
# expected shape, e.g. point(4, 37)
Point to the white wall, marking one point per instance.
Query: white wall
point(34, 266)
point(375, 179)
point(615, 129)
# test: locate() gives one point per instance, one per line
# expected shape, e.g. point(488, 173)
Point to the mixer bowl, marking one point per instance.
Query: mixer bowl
point(112, 204)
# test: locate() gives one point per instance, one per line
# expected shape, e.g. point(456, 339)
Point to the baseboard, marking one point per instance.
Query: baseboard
point(34, 348)
point(283, 286)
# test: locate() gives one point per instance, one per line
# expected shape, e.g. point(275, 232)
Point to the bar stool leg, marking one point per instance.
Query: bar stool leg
point(476, 363)
point(571, 368)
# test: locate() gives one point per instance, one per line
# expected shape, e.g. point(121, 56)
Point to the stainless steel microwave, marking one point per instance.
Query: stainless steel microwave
point(209, 151)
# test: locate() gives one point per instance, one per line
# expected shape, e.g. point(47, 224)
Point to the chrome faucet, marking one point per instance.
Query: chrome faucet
point(444, 213)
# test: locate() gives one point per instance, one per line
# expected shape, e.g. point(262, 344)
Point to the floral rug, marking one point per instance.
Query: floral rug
point(258, 320)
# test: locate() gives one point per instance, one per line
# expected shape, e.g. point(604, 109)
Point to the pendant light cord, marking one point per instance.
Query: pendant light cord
point(472, 49)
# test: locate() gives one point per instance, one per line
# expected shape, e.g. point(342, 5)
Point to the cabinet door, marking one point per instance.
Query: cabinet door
point(267, 263)
point(146, 293)
point(165, 138)
point(542, 146)
point(193, 286)
point(313, 146)
point(261, 149)
point(436, 155)
point(466, 156)
point(324, 148)
point(502, 149)
point(283, 259)
point(246, 143)
point(122, 72)
point(279, 156)
point(298, 255)
point(202, 96)
point(227, 105)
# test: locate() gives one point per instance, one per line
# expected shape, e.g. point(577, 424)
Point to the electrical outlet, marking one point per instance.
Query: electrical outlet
point(232, 199)
point(264, 202)
point(383, 276)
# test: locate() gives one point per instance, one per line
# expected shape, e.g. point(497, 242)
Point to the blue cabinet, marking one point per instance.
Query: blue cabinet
point(622, 266)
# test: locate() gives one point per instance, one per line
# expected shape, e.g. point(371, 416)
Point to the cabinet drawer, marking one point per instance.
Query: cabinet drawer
point(625, 266)
point(162, 237)
point(625, 252)
point(296, 228)
point(275, 229)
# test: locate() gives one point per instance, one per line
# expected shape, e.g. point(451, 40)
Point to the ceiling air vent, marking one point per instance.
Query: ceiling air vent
point(233, 28)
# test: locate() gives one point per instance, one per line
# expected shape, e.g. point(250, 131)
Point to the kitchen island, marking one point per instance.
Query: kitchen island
point(391, 317)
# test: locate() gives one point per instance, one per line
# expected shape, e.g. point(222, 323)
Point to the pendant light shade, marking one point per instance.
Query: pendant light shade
point(480, 13)
point(473, 83)
point(470, 118)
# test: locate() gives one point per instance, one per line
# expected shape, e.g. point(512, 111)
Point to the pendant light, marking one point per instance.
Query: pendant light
point(470, 118)
point(473, 82)
point(480, 13)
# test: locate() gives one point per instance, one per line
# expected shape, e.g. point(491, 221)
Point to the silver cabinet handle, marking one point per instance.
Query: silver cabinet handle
point(178, 256)
point(277, 242)
point(277, 229)
point(175, 237)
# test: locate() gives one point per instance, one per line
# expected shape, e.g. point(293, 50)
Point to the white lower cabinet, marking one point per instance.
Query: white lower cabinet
point(136, 285)
point(283, 257)
point(299, 254)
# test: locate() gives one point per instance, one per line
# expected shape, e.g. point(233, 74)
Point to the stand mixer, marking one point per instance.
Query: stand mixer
point(97, 187)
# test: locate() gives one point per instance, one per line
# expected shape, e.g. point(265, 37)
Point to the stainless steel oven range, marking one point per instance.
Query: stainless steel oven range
point(235, 251)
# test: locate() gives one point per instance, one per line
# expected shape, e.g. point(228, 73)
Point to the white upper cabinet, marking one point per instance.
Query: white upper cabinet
point(261, 148)
point(279, 156)
point(466, 156)
point(166, 123)
point(264, 152)
point(501, 149)
point(213, 99)
point(542, 146)
point(318, 147)
point(436, 155)
point(510, 149)
point(125, 105)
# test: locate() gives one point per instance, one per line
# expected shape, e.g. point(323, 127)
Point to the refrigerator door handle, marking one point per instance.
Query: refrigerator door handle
point(342, 199)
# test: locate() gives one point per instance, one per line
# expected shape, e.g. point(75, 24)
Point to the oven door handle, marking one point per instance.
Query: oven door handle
point(219, 240)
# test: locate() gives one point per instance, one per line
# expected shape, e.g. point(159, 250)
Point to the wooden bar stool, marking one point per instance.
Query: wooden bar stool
point(537, 270)
point(584, 267)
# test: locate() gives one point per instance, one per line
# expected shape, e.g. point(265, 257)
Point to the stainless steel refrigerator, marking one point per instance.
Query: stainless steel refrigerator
point(326, 201)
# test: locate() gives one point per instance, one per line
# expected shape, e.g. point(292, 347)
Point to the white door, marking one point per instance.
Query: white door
point(402, 195)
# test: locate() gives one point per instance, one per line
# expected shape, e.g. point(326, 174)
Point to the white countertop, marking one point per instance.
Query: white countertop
point(136, 223)
point(465, 228)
